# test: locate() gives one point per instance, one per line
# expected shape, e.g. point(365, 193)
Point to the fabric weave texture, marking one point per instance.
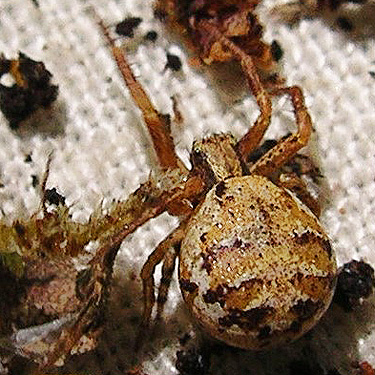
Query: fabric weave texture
point(101, 152)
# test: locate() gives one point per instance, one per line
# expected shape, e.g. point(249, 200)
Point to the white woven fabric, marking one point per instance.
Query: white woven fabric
point(100, 151)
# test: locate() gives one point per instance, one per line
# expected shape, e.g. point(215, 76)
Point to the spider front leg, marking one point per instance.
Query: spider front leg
point(253, 137)
point(158, 125)
point(288, 147)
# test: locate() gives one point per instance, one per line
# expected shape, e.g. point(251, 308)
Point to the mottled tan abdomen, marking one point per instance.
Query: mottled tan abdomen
point(256, 268)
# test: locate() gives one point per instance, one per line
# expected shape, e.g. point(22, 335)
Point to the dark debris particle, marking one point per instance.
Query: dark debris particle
point(34, 180)
point(276, 50)
point(173, 62)
point(32, 88)
point(36, 3)
point(193, 362)
point(127, 26)
point(355, 281)
point(372, 74)
point(28, 158)
point(344, 24)
point(53, 197)
point(151, 36)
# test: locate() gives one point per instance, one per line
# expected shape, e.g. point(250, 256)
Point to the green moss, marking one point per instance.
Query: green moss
point(13, 262)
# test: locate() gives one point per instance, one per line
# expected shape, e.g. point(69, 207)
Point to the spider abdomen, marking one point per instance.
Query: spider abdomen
point(256, 267)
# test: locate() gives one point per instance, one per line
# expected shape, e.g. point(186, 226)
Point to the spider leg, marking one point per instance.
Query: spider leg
point(145, 204)
point(89, 313)
point(177, 115)
point(147, 274)
point(167, 273)
point(287, 148)
point(158, 124)
point(44, 184)
point(295, 184)
point(255, 134)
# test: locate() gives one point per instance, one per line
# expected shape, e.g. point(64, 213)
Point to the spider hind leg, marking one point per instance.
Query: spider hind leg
point(165, 252)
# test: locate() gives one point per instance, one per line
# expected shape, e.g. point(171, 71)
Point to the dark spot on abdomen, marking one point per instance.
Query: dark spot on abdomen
point(310, 237)
point(247, 320)
point(188, 286)
point(220, 189)
point(203, 237)
point(327, 247)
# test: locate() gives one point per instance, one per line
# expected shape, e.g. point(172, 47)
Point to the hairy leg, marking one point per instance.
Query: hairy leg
point(295, 184)
point(255, 134)
point(158, 124)
point(287, 148)
point(160, 254)
point(166, 278)
point(44, 184)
